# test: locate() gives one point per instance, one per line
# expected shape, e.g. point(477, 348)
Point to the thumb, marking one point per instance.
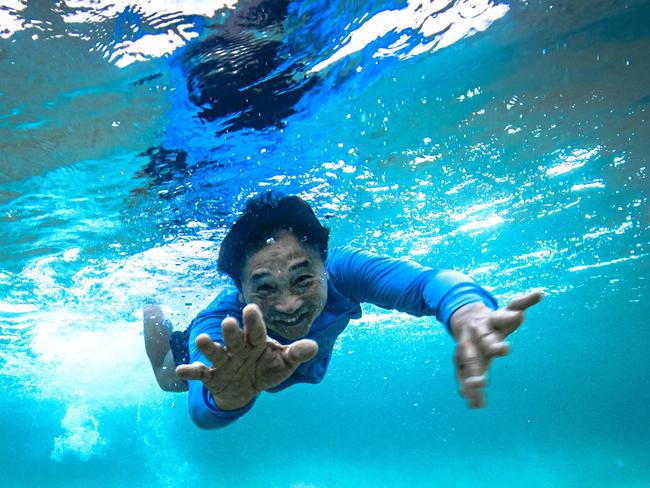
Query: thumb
point(194, 371)
point(300, 351)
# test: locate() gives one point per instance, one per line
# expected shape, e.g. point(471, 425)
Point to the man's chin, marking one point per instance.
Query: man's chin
point(292, 333)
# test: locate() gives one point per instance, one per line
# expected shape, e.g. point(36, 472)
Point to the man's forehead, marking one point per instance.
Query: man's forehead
point(263, 269)
point(284, 254)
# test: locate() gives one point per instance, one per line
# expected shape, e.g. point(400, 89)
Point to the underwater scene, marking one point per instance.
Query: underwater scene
point(507, 140)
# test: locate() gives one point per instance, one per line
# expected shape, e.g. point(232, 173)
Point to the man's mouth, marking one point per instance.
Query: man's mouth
point(293, 321)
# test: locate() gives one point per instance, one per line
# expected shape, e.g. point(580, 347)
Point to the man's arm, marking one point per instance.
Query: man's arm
point(468, 311)
point(403, 285)
point(157, 331)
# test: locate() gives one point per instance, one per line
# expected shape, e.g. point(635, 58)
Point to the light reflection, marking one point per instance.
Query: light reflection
point(10, 20)
point(542, 255)
point(163, 16)
point(9, 309)
point(478, 207)
point(586, 186)
point(577, 159)
point(443, 20)
point(601, 264)
point(91, 11)
point(481, 224)
point(602, 231)
point(151, 46)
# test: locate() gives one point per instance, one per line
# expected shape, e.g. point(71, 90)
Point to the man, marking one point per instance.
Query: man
point(293, 297)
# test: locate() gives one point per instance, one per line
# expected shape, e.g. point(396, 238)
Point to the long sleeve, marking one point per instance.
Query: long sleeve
point(203, 410)
point(403, 285)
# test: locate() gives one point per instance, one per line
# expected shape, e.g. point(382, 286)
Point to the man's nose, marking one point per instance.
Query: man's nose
point(289, 303)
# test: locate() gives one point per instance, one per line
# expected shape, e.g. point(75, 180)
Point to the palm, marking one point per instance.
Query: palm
point(253, 369)
point(247, 363)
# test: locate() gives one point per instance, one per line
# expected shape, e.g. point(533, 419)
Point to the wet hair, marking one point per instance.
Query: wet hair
point(265, 217)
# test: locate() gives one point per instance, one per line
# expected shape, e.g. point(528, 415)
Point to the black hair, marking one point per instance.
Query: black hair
point(264, 217)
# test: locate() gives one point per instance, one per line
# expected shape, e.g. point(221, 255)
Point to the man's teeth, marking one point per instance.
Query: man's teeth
point(292, 320)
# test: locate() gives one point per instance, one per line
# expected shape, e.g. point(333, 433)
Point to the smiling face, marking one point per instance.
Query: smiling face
point(288, 281)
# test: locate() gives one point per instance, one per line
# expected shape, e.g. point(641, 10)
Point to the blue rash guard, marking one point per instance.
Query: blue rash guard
point(354, 277)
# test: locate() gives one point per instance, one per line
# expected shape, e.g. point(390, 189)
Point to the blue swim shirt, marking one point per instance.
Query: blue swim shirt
point(354, 277)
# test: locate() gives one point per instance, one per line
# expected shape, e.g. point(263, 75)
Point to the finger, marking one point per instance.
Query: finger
point(233, 337)
point(470, 369)
point(472, 390)
point(505, 321)
point(254, 327)
point(469, 362)
point(213, 351)
point(491, 342)
point(300, 351)
point(525, 301)
point(474, 383)
point(194, 371)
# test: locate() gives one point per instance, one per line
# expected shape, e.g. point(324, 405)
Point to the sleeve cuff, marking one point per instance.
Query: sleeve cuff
point(225, 414)
point(461, 295)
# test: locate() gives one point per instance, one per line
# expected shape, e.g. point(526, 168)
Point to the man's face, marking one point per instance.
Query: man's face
point(288, 281)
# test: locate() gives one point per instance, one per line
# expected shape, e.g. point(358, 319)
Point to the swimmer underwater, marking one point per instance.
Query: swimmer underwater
point(293, 298)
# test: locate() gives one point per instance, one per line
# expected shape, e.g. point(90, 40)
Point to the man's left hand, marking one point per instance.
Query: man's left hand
point(480, 336)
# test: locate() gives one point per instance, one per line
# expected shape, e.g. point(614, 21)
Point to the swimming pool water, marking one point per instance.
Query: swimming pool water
point(507, 140)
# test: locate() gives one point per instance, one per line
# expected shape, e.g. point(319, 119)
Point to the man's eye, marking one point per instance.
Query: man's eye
point(264, 289)
point(303, 279)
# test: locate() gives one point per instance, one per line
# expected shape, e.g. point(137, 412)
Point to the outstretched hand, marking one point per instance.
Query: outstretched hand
point(247, 363)
point(480, 336)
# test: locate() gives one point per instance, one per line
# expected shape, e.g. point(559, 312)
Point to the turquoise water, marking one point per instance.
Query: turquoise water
point(506, 140)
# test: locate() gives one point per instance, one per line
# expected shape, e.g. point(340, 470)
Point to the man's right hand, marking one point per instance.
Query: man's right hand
point(247, 363)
